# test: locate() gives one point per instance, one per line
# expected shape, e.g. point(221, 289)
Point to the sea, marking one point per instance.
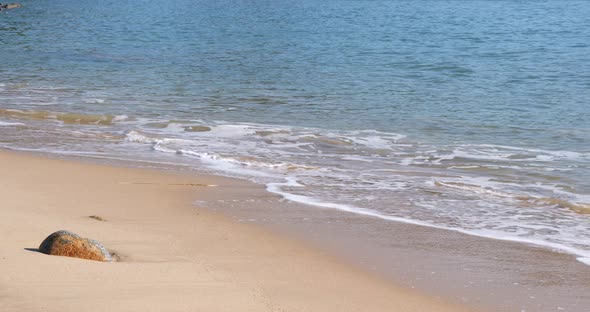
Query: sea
point(470, 116)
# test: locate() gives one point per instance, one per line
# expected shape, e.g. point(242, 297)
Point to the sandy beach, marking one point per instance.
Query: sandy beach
point(295, 156)
point(173, 257)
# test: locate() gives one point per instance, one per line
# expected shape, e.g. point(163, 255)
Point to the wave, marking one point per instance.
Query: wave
point(525, 200)
point(582, 256)
point(503, 154)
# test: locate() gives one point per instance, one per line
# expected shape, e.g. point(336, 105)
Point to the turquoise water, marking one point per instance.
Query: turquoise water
point(466, 115)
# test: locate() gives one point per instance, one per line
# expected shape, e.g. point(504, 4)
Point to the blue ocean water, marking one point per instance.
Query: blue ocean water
point(466, 115)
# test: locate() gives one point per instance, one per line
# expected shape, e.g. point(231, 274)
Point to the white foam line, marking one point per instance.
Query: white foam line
point(217, 162)
point(560, 153)
point(90, 155)
point(3, 123)
point(582, 256)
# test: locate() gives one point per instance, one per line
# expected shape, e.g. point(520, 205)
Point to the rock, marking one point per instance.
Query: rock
point(9, 6)
point(66, 243)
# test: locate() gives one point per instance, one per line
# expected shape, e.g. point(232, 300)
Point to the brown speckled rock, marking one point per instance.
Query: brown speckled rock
point(66, 243)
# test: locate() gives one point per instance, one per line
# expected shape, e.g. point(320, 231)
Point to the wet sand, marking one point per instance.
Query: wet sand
point(175, 254)
point(490, 275)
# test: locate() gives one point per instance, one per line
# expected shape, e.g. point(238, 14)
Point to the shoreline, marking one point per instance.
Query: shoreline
point(470, 271)
point(492, 275)
point(174, 257)
point(579, 255)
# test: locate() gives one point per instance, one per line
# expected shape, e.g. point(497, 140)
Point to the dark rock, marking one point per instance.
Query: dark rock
point(66, 243)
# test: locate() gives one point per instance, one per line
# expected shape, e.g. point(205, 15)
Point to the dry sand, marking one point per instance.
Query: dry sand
point(174, 257)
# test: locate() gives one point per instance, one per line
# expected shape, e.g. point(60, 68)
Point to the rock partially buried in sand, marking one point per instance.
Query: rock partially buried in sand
point(66, 243)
